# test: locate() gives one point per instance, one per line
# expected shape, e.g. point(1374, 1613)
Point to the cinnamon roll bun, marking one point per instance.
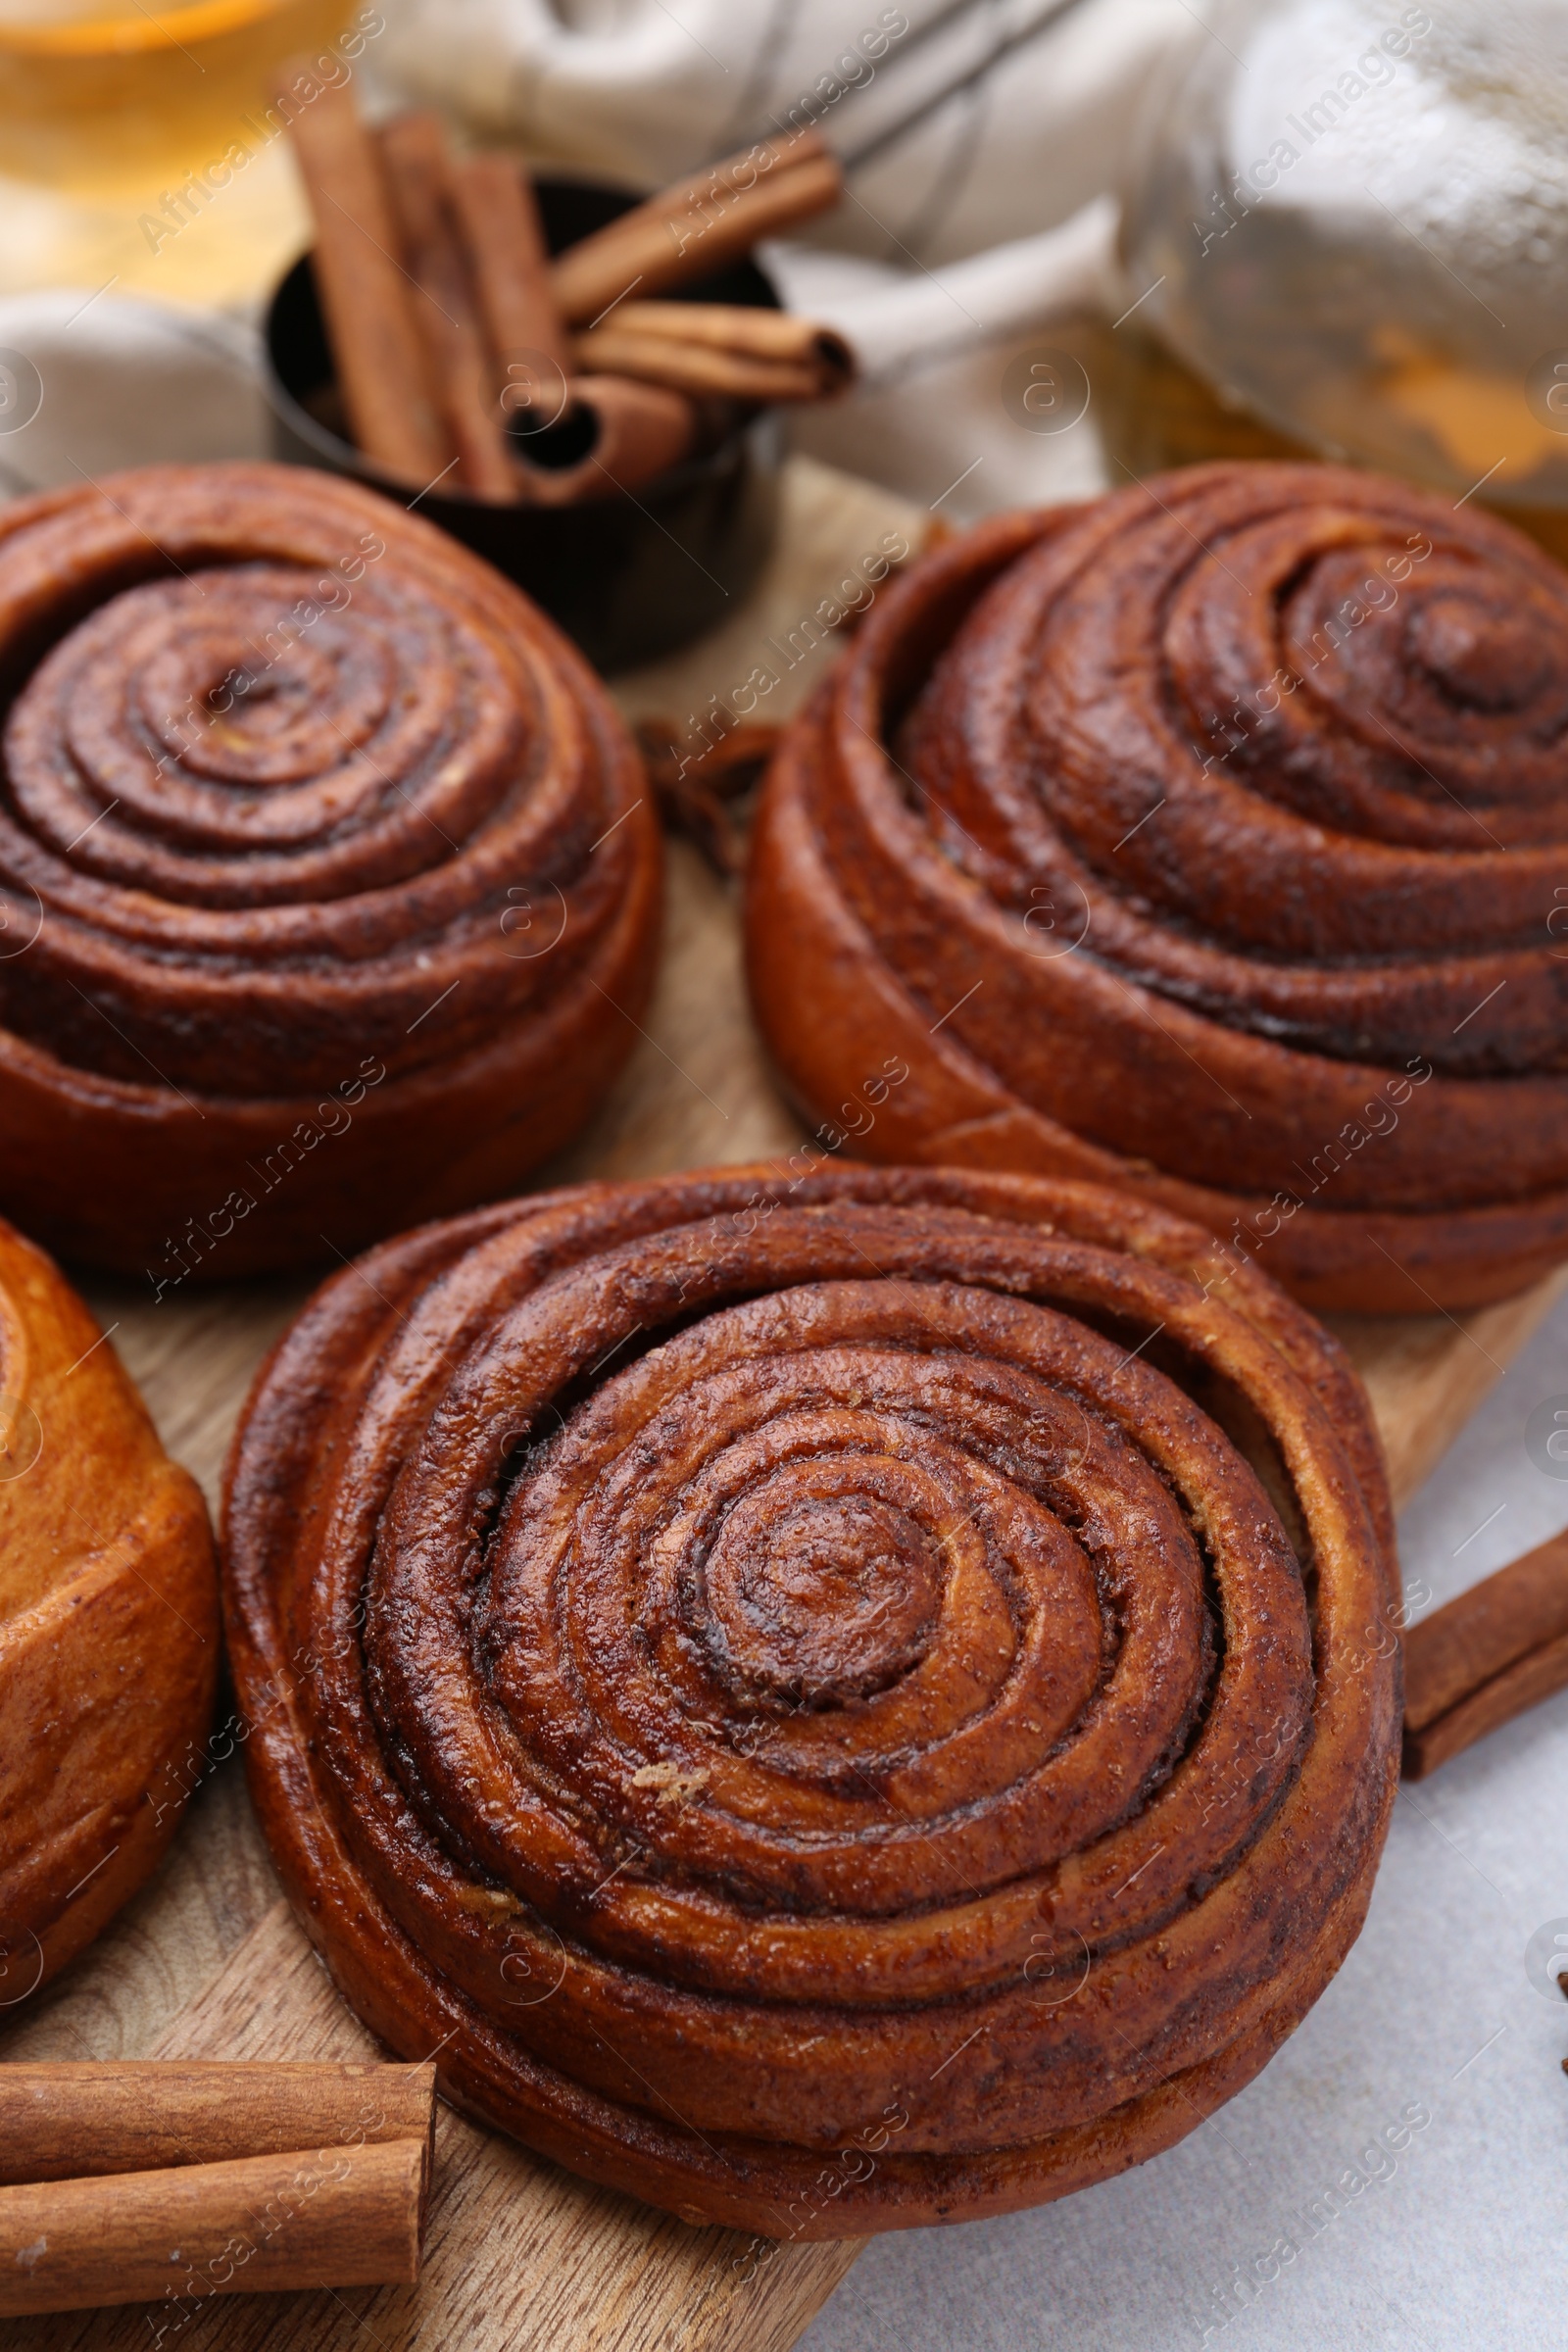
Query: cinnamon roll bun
point(832, 1701)
point(109, 1634)
point(1212, 839)
point(328, 893)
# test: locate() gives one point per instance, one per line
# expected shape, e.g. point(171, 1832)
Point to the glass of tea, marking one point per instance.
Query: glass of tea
point(141, 147)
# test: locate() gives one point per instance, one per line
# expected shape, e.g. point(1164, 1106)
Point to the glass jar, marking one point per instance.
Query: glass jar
point(1347, 237)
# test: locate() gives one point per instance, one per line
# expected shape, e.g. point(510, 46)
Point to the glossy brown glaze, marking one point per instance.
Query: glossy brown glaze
point(328, 893)
point(1208, 838)
point(785, 1680)
point(109, 1634)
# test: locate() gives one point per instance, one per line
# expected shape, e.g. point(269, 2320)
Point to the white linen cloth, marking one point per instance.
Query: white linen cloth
point(123, 382)
point(978, 122)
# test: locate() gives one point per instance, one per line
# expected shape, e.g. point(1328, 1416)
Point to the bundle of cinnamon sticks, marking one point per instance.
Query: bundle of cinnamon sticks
point(167, 2181)
point(464, 354)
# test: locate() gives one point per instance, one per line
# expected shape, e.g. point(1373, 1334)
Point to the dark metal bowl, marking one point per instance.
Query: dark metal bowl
point(628, 576)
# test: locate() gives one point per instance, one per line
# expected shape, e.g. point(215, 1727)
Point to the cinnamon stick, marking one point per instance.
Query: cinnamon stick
point(317, 2216)
point(506, 246)
point(697, 227)
point(1483, 1658)
point(364, 297)
point(761, 334)
point(640, 432)
point(693, 794)
point(415, 150)
point(694, 366)
point(132, 2116)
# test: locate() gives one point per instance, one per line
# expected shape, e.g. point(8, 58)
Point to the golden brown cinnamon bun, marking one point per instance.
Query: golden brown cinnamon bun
point(1210, 838)
point(784, 1680)
point(328, 896)
point(109, 1634)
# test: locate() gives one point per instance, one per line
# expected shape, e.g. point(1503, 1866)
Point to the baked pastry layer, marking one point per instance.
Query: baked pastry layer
point(1207, 839)
point(784, 1679)
point(329, 893)
point(109, 1631)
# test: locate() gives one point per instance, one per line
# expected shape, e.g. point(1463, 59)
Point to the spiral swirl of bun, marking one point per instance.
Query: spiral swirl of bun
point(109, 1631)
point(1210, 838)
point(769, 1672)
point(327, 890)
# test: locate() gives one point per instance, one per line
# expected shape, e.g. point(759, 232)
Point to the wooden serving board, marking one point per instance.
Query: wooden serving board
point(208, 1960)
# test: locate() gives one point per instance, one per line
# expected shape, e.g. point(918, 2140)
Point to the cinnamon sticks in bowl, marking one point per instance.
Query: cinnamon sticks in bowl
point(435, 291)
point(643, 495)
point(166, 2180)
